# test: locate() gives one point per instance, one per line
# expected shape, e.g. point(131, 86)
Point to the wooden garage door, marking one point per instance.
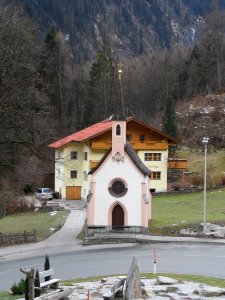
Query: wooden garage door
point(73, 192)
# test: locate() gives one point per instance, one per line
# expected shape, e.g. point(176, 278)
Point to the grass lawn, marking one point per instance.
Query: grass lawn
point(186, 210)
point(7, 296)
point(211, 281)
point(40, 221)
point(215, 162)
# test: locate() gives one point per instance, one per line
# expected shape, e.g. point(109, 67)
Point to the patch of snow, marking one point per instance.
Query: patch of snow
point(53, 213)
point(97, 32)
point(193, 33)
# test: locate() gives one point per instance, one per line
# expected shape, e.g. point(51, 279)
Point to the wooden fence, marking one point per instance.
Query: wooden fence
point(17, 238)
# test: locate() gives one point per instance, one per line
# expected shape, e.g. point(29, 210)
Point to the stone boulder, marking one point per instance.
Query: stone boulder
point(212, 292)
point(161, 280)
point(213, 227)
point(133, 282)
point(219, 234)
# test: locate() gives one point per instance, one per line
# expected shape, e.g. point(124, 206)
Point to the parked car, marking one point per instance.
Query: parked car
point(44, 194)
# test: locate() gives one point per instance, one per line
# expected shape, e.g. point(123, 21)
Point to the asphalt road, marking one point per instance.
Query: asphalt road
point(199, 259)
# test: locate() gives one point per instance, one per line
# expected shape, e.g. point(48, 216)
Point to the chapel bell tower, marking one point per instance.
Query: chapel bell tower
point(119, 123)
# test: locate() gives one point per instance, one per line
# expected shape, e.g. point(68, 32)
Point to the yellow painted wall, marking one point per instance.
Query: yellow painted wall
point(64, 165)
point(157, 166)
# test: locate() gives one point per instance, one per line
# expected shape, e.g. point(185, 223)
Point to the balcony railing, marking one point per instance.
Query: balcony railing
point(146, 145)
point(177, 163)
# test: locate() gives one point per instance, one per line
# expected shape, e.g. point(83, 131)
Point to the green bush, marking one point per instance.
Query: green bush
point(27, 189)
point(37, 290)
point(47, 266)
point(18, 289)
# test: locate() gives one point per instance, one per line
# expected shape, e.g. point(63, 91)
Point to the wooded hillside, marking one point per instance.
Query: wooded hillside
point(134, 27)
point(44, 95)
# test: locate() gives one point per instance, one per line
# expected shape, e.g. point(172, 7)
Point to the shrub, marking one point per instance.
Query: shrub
point(11, 203)
point(18, 289)
point(197, 181)
point(27, 189)
point(223, 180)
point(180, 185)
point(37, 290)
point(47, 266)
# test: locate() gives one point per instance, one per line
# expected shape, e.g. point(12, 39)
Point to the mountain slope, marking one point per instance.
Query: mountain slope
point(133, 27)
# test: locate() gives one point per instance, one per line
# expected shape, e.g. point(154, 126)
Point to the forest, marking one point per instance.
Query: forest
point(45, 95)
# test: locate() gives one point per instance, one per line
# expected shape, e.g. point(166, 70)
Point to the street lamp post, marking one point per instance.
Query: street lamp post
point(205, 141)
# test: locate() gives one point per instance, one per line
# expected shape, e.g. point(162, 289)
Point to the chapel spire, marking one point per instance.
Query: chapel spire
point(119, 114)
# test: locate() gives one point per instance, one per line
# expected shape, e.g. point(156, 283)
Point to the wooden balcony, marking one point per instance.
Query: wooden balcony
point(146, 145)
point(177, 163)
point(100, 145)
point(149, 145)
point(93, 163)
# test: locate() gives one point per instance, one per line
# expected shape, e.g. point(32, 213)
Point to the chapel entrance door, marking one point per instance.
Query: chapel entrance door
point(118, 216)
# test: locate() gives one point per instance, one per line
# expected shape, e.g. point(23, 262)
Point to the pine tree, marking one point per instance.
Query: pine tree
point(47, 266)
point(101, 87)
point(37, 289)
point(169, 118)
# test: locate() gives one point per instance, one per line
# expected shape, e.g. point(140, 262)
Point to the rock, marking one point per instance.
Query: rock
point(212, 292)
point(213, 227)
point(133, 282)
point(103, 280)
point(219, 234)
point(188, 232)
point(182, 293)
point(165, 280)
point(184, 232)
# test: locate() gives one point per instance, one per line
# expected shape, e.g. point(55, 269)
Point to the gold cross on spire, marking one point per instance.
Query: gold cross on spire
point(120, 71)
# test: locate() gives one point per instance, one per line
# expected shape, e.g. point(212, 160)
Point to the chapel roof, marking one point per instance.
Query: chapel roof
point(136, 160)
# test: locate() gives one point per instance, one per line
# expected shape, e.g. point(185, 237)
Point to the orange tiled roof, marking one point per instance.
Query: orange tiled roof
point(99, 128)
point(84, 134)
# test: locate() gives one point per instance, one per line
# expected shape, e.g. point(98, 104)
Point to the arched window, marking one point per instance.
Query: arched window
point(118, 129)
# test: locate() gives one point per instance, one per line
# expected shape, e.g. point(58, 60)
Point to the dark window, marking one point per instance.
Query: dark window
point(73, 155)
point(85, 156)
point(118, 188)
point(142, 137)
point(73, 174)
point(118, 129)
point(129, 137)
